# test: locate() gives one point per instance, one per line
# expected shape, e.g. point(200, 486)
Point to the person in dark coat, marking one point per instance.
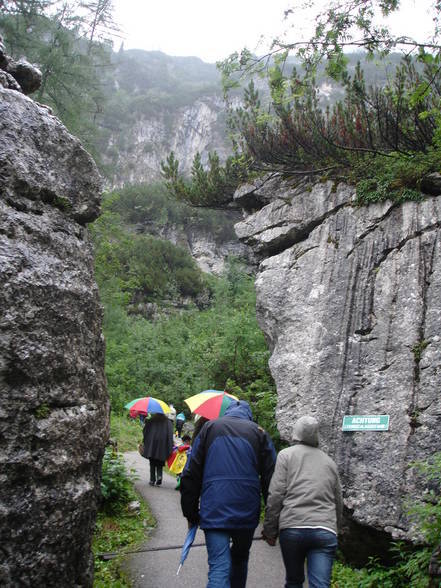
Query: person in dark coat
point(158, 444)
point(231, 465)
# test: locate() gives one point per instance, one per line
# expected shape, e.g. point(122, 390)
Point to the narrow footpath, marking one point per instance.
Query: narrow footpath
point(157, 569)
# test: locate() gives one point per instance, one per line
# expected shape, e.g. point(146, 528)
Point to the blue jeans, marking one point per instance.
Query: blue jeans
point(317, 546)
point(228, 567)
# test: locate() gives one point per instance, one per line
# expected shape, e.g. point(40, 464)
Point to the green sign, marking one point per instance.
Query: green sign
point(366, 422)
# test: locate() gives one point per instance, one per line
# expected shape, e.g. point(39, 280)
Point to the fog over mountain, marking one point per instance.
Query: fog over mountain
point(158, 103)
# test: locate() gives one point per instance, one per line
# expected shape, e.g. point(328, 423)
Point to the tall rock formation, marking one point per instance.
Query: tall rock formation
point(53, 402)
point(350, 301)
point(136, 155)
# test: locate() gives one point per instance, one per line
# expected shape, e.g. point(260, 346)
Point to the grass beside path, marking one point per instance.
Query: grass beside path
point(118, 527)
point(126, 432)
point(117, 533)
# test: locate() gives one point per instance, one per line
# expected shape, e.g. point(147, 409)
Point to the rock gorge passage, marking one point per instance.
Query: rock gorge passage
point(349, 299)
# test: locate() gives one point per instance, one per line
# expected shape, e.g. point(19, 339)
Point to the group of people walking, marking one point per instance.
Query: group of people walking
point(233, 465)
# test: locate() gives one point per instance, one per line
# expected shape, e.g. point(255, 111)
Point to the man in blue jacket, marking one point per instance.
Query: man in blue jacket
point(231, 466)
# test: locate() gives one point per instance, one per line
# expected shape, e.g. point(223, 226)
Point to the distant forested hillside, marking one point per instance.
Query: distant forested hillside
point(155, 104)
point(131, 108)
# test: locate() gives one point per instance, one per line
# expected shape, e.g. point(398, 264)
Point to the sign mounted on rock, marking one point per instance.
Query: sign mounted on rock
point(366, 422)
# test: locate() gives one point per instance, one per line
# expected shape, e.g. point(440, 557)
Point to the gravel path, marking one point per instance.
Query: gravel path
point(157, 569)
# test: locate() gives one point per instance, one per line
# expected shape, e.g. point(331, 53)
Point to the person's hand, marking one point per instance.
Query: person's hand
point(191, 523)
point(270, 540)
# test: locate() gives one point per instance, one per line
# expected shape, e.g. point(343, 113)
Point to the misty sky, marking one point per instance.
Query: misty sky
point(212, 29)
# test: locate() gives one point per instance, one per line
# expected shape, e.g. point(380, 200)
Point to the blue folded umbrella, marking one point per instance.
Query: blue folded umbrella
point(187, 544)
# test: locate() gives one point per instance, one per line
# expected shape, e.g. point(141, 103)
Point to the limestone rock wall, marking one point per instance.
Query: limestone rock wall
point(136, 156)
point(350, 301)
point(209, 252)
point(53, 402)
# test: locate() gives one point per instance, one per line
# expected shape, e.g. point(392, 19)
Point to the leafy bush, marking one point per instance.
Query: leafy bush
point(427, 511)
point(213, 186)
point(140, 268)
point(299, 135)
point(379, 178)
point(116, 487)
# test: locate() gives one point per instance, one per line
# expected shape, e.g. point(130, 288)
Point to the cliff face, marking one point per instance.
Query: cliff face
point(136, 157)
point(53, 402)
point(209, 245)
point(350, 301)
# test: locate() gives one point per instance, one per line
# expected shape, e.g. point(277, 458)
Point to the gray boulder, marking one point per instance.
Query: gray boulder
point(27, 76)
point(53, 403)
point(350, 302)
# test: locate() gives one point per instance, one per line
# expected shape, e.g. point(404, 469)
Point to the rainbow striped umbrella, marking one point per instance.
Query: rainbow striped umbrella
point(210, 404)
point(146, 405)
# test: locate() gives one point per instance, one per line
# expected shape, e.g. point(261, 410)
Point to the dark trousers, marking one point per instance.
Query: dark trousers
point(155, 470)
point(317, 546)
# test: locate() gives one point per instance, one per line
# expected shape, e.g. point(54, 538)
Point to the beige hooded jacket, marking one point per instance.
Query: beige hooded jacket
point(305, 488)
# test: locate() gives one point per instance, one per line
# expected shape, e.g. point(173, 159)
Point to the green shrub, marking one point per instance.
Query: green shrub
point(177, 356)
point(117, 532)
point(140, 268)
point(396, 177)
point(384, 139)
point(116, 488)
point(426, 512)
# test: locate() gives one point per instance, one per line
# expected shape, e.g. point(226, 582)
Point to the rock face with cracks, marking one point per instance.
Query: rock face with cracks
point(53, 402)
point(349, 299)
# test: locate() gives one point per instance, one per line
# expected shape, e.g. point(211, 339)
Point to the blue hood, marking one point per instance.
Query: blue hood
point(240, 409)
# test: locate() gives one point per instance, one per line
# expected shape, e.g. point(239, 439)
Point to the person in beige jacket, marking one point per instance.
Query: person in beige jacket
point(304, 508)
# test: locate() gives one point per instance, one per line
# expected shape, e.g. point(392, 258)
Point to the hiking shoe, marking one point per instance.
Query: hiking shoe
point(151, 483)
point(159, 481)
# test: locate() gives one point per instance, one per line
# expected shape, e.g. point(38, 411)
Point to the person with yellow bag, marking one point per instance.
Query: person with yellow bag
point(178, 458)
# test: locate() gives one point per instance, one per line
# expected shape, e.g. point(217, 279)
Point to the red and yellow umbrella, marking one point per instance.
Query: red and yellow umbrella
point(178, 458)
point(210, 404)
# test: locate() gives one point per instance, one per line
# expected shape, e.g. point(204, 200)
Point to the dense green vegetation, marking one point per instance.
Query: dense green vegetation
point(384, 140)
point(173, 358)
point(117, 527)
point(149, 207)
point(210, 339)
point(137, 268)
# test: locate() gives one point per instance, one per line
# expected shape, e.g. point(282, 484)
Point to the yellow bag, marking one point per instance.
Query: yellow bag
point(179, 463)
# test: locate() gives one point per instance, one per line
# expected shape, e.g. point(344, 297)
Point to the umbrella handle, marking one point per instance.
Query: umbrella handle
point(179, 569)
